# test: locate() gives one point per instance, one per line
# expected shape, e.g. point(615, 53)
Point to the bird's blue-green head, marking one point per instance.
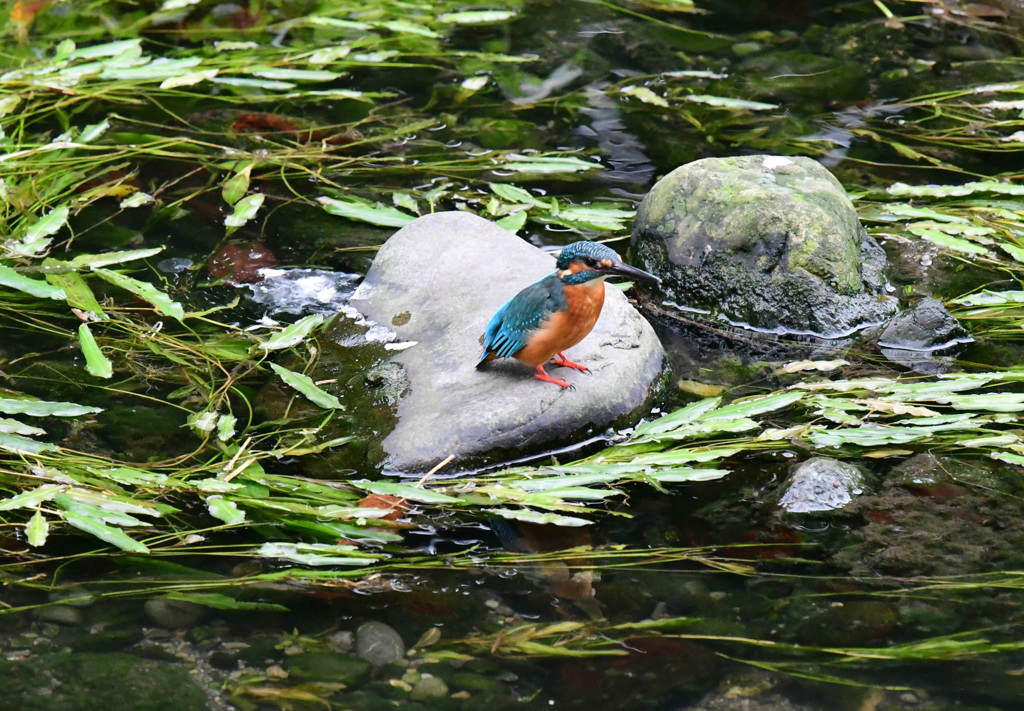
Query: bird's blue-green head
point(581, 262)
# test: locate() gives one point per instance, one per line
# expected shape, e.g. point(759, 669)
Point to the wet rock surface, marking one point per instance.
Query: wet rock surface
point(341, 668)
point(924, 337)
point(767, 242)
point(500, 411)
point(923, 327)
point(938, 516)
point(821, 484)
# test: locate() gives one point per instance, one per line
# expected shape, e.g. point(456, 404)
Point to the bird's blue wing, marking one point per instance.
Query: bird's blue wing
point(510, 328)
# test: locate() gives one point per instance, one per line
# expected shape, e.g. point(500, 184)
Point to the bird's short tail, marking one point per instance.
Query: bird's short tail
point(486, 357)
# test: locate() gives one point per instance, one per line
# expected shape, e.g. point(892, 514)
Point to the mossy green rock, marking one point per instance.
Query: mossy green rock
point(98, 682)
point(852, 624)
point(765, 242)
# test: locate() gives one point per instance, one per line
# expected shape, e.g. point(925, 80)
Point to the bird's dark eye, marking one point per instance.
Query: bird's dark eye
point(590, 262)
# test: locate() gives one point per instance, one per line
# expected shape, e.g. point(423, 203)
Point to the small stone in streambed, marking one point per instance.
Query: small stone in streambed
point(61, 614)
point(111, 640)
point(173, 613)
point(821, 484)
point(698, 389)
point(76, 597)
point(224, 660)
point(341, 641)
point(428, 687)
point(379, 644)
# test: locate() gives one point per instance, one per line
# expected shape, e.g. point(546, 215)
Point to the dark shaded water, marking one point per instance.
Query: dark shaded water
point(933, 549)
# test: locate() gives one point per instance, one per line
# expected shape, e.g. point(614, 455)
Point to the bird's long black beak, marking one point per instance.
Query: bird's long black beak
point(632, 272)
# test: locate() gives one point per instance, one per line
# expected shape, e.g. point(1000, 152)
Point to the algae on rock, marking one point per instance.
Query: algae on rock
point(765, 242)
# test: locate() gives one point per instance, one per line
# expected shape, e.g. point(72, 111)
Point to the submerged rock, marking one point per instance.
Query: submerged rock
point(329, 667)
point(931, 474)
point(436, 284)
point(766, 242)
point(378, 643)
point(168, 612)
point(821, 484)
point(850, 624)
point(429, 687)
point(924, 338)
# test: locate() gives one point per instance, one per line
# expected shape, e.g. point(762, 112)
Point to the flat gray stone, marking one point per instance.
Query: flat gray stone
point(437, 282)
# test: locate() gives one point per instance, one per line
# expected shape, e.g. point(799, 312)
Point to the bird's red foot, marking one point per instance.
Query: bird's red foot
point(542, 375)
point(560, 359)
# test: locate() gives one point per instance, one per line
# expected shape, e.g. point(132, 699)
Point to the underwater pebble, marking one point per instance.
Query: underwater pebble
point(276, 672)
point(173, 613)
point(742, 49)
point(341, 642)
point(378, 644)
point(75, 597)
point(428, 687)
point(61, 614)
point(174, 265)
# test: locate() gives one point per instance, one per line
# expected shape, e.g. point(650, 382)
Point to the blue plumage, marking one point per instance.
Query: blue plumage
point(509, 328)
point(585, 252)
point(556, 312)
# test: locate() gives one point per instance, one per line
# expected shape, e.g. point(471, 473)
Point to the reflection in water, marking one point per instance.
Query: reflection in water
point(569, 578)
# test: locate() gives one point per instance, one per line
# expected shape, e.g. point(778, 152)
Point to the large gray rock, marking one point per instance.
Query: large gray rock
point(766, 242)
point(437, 282)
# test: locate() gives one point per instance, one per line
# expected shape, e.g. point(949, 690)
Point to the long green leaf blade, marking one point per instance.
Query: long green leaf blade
point(305, 385)
point(34, 287)
point(34, 497)
point(375, 214)
point(293, 334)
point(107, 534)
point(96, 364)
point(147, 292)
point(44, 408)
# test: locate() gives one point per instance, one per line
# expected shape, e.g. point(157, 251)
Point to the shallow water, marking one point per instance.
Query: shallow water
point(754, 608)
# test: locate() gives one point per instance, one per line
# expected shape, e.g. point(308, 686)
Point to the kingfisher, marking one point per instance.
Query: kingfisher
point(554, 314)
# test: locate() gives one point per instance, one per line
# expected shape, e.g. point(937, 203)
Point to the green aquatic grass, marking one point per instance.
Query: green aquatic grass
point(125, 125)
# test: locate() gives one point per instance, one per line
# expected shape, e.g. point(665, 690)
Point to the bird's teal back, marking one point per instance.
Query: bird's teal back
point(509, 329)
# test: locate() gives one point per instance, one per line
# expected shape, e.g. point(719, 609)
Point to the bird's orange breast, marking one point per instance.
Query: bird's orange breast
point(564, 329)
